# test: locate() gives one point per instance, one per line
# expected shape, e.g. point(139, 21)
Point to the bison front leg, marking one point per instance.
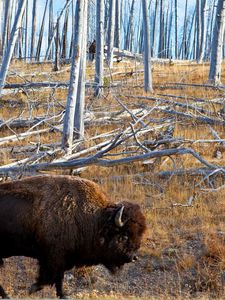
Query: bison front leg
point(59, 286)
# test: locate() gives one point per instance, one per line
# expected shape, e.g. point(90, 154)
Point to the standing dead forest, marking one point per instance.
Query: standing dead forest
point(129, 94)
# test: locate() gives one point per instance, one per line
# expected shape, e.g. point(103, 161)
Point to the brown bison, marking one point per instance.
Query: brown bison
point(63, 222)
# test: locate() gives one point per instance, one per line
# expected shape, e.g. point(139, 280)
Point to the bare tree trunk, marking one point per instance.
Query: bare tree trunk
point(111, 29)
point(54, 29)
point(183, 47)
point(189, 47)
point(26, 33)
point(176, 31)
point(12, 41)
point(203, 24)
point(38, 52)
point(198, 28)
point(161, 51)
point(106, 20)
point(68, 127)
point(79, 110)
point(217, 44)
point(50, 27)
point(130, 28)
point(117, 27)
point(33, 29)
point(166, 32)
point(57, 50)
point(5, 25)
point(147, 48)
point(73, 28)
point(64, 34)
point(154, 30)
point(169, 39)
point(201, 31)
point(99, 67)
point(209, 30)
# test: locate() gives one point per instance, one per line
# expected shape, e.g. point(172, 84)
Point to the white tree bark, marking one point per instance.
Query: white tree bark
point(79, 110)
point(117, 27)
point(111, 31)
point(41, 33)
point(217, 44)
point(12, 41)
point(203, 26)
point(176, 30)
point(67, 140)
point(5, 24)
point(147, 48)
point(33, 29)
point(55, 27)
point(99, 62)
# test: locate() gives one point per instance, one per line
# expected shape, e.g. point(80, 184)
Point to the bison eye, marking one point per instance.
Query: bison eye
point(123, 238)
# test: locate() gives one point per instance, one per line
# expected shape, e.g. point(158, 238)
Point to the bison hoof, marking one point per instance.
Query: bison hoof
point(64, 297)
point(34, 288)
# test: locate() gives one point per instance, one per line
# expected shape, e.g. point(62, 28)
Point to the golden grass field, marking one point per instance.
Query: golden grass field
point(183, 251)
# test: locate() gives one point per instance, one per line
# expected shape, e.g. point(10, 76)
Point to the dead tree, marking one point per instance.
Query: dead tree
point(147, 48)
point(38, 52)
point(68, 2)
point(99, 62)
point(50, 26)
point(33, 29)
point(217, 44)
point(111, 31)
point(176, 31)
point(130, 29)
point(79, 110)
point(68, 126)
point(117, 25)
point(161, 50)
point(5, 25)
point(64, 34)
point(12, 41)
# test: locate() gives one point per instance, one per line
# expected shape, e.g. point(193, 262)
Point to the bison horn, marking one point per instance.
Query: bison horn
point(118, 218)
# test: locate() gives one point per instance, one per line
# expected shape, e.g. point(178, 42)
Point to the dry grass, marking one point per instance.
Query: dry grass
point(183, 252)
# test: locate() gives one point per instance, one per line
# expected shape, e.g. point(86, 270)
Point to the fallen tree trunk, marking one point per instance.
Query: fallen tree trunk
point(172, 103)
point(98, 160)
point(21, 136)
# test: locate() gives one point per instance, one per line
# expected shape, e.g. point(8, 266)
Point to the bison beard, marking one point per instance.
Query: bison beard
point(63, 222)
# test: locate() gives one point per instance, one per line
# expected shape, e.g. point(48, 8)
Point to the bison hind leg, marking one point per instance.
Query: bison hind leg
point(49, 275)
point(3, 293)
point(35, 287)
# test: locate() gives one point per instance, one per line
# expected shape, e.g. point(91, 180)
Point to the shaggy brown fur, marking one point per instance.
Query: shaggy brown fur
point(63, 222)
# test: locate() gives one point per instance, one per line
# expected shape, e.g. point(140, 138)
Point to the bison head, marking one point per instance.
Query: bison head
point(121, 235)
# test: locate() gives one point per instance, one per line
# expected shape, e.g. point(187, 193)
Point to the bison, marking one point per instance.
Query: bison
point(66, 221)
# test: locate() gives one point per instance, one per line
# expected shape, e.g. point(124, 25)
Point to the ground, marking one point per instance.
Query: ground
point(183, 251)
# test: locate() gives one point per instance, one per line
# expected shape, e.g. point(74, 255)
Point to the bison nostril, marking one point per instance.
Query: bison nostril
point(135, 258)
